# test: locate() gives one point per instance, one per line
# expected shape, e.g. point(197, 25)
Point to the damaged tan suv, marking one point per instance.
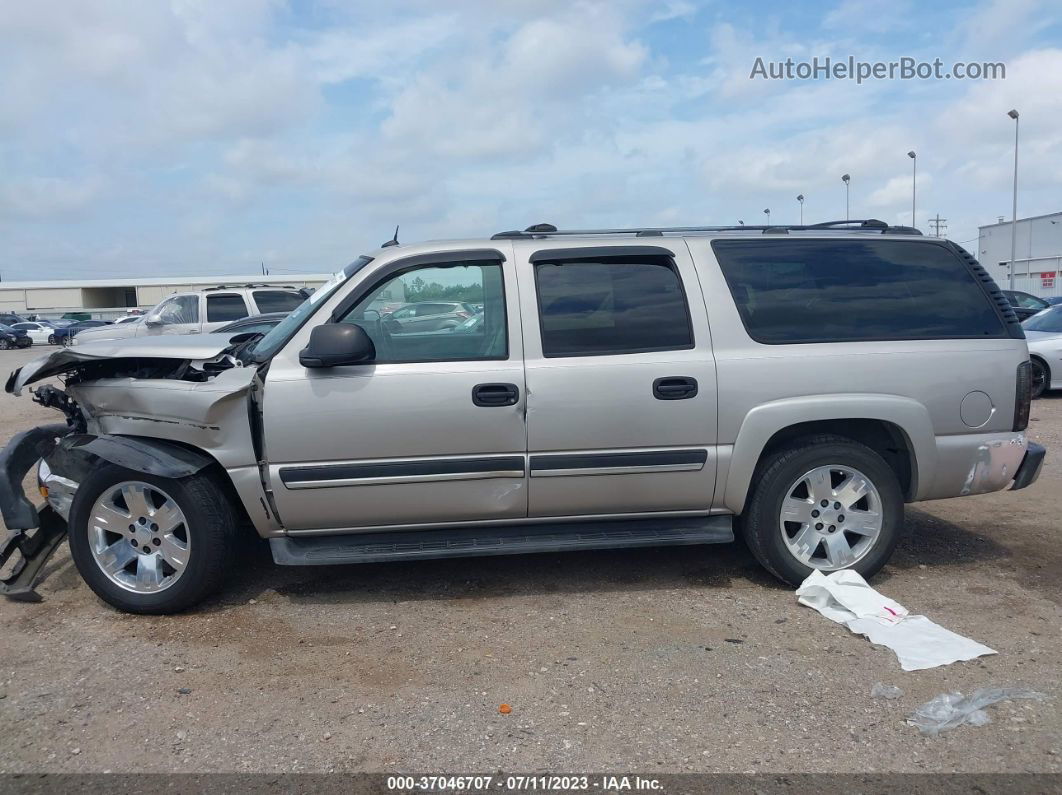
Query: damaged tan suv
point(614, 388)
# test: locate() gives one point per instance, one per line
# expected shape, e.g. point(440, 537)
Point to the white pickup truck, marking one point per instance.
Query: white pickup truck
point(200, 312)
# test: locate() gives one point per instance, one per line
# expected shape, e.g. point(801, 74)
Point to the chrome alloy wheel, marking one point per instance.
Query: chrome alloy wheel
point(139, 537)
point(831, 517)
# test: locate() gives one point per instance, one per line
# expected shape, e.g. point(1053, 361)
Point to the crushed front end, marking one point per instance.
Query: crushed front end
point(161, 406)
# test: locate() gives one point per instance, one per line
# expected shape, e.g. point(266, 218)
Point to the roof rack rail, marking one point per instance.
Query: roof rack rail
point(250, 285)
point(853, 225)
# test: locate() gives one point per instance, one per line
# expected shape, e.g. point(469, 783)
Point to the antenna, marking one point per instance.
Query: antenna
point(393, 241)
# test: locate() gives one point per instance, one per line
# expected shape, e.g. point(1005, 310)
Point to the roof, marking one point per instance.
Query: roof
point(1022, 220)
point(166, 282)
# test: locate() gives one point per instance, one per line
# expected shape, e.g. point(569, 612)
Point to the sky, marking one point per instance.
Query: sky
point(198, 137)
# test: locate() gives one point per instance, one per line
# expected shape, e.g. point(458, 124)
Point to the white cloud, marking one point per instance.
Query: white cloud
point(46, 197)
point(195, 134)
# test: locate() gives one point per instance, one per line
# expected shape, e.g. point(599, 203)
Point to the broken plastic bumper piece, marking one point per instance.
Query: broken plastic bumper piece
point(32, 535)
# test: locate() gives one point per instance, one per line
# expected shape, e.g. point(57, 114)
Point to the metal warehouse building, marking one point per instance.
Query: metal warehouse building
point(107, 298)
point(1037, 256)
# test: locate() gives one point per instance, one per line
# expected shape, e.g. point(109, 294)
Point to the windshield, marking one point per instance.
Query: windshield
point(1048, 320)
point(273, 340)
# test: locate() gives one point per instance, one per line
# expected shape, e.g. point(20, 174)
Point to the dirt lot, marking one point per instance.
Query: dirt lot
point(688, 659)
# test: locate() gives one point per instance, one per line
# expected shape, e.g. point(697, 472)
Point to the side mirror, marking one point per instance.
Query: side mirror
point(152, 320)
point(337, 344)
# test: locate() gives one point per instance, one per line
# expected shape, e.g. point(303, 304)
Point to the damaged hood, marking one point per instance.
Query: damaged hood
point(185, 346)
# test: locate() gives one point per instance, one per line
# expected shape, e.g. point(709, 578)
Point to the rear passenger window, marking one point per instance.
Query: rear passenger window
point(613, 306)
point(276, 300)
point(229, 306)
point(799, 291)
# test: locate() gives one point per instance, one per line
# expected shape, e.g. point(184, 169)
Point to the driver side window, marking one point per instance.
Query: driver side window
point(179, 309)
point(425, 314)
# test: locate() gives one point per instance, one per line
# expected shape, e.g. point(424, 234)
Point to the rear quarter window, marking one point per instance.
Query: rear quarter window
point(803, 291)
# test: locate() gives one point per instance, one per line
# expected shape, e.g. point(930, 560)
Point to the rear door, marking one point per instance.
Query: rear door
point(621, 380)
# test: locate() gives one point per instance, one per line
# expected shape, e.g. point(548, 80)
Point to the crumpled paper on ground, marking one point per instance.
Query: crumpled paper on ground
point(845, 597)
point(949, 710)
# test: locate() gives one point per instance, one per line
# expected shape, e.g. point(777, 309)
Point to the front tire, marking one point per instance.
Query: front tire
point(4, 344)
point(147, 544)
point(826, 503)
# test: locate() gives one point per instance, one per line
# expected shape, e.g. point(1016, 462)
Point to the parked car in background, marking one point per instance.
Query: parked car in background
point(1025, 305)
point(427, 316)
point(1044, 334)
point(10, 319)
point(13, 338)
point(66, 335)
point(39, 331)
point(1054, 300)
point(255, 324)
point(201, 312)
point(619, 390)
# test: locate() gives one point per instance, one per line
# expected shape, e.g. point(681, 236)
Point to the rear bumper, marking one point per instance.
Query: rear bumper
point(1030, 467)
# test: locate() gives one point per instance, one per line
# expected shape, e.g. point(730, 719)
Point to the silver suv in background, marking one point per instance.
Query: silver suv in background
point(622, 388)
point(201, 311)
point(428, 316)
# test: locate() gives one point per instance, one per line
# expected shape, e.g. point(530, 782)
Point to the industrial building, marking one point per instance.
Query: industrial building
point(1037, 256)
point(109, 298)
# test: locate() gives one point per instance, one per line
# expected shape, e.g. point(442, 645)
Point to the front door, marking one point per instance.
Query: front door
point(176, 315)
point(621, 413)
point(430, 432)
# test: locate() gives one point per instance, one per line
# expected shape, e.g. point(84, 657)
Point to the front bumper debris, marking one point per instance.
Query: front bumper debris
point(1030, 467)
point(32, 548)
point(31, 536)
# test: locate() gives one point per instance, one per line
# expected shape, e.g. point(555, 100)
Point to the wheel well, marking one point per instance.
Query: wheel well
point(1043, 363)
point(885, 438)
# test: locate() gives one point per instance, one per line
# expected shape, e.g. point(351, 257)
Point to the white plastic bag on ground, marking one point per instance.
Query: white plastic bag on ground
point(949, 710)
point(845, 597)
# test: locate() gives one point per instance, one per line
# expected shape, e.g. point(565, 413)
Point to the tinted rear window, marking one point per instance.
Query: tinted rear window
point(226, 306)
point(615, 306)
point(791, 291)
point(276, 300)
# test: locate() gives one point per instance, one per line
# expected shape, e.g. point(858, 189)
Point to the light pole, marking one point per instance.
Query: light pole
point(1014, 206)
point(845, 179)
point(914, 183)
point(800, 199)
point(768, 213)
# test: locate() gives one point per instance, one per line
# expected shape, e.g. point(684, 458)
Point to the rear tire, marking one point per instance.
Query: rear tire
point(1041, 377)
point(4, 344)
point(51, 339)
point(147, 544)
point(860, 535)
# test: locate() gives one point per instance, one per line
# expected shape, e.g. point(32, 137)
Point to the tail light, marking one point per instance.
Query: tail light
point(1023, 396)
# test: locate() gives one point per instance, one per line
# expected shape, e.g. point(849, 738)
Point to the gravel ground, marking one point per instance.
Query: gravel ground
point(670, 660)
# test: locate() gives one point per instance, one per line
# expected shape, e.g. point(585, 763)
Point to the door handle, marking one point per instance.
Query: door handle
point(674, 387)
point(495, 394)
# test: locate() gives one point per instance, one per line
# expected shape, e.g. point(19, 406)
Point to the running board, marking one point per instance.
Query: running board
point(493, 540)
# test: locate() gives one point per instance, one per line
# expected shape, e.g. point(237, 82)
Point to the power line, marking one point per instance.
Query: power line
point(939, 226)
